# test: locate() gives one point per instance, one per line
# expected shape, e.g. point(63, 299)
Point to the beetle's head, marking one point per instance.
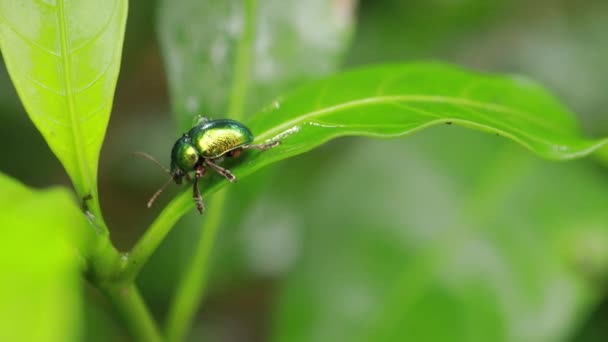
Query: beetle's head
point(183, 158)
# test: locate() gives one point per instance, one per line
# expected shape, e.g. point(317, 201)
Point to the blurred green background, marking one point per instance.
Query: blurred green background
point(447, 235)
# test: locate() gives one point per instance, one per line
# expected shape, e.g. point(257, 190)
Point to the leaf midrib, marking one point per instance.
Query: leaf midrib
point(272, 132)
point(75, 131)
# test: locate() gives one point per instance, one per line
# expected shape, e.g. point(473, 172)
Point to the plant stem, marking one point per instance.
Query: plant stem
point(242, 64)
point(193, 284)
point(154, 235)
point(104, 259)
point(158, 230)
point(129, 304)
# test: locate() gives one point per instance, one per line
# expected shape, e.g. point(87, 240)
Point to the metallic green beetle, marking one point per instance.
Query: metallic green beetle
point(203, 146)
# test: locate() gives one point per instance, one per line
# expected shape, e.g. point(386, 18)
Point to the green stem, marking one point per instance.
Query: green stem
point(193, 284)
point(154, 235)
point(104, 259)
point(191, 288)
point(242, 64)
point(129, 304)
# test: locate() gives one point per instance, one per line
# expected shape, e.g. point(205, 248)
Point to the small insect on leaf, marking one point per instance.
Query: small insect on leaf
point(203, 147)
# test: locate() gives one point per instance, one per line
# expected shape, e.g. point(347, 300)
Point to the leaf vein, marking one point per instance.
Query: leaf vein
point(90, 115)
point(44, 86)
point(97, 78)
point(80, 154)
point(26, 39)
point(45, 4)
point(400, 98)
point(99, 33)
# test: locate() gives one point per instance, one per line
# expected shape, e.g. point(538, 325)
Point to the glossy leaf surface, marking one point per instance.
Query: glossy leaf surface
point(63, 58)
point(392, 101)
point(42, 234)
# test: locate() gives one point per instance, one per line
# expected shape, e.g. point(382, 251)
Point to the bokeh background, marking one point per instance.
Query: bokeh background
point(446, 235)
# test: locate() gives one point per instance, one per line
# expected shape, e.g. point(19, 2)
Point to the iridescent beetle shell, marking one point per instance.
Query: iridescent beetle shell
point(218, 137)
point(202, 147)
point(208, 140)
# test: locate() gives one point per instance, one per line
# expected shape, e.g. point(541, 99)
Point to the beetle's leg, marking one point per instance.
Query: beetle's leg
point(200, 171)
point(196, 194)
point(264, 146)
point(222, 171)
point(200, 206)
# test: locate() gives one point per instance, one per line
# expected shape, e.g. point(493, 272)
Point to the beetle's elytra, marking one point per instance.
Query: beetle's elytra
point(203, 146)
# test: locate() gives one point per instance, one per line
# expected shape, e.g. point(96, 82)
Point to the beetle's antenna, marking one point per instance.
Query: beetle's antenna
point(152, 159)
point(156, 194)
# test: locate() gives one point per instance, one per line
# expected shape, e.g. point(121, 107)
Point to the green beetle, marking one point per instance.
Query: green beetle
point(203, 147)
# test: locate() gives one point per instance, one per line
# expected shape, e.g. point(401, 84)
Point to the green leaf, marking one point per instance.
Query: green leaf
point(448, 236)
point(390, 101)
point(225, 57)
point(393, 101)
point(44, 235)
point(63, 58)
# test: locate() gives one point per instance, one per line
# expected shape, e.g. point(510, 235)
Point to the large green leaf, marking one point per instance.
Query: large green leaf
point(451, 238)
point(393, 101)
point(390, 101)
point(43, 236)
point(223, 57)
point(448, 236)
point(63, 57)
